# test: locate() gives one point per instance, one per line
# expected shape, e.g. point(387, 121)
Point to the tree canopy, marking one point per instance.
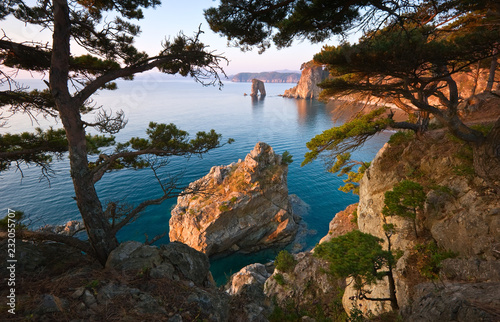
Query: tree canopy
point(105, 32)
point(407, 56)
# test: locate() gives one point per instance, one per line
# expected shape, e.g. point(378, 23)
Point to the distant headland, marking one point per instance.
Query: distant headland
point(268, 77)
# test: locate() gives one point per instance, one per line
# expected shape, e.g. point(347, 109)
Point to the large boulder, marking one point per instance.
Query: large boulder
point(247, 290)
point(243, 206)
point(174, 261)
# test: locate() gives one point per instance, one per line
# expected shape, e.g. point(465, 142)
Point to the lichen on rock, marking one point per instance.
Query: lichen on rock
point(240, 207)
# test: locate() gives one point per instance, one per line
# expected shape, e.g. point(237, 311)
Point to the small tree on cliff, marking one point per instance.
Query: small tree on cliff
point(360, 256)
point(110, 55)
point(409, 54)
point(404, 200)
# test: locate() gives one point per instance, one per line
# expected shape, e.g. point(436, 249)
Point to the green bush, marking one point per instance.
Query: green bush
point(285, 262)
point(401, 137)
point(279, 279)
point(286, 158)
point(429, 258)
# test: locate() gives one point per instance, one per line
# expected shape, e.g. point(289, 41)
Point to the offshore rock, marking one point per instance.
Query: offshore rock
point(258, 87)
point(240, 207)
point(307, 86)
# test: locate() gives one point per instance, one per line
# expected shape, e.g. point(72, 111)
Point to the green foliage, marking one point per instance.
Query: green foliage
point(286, 158)
point(483, 128)
point(354, 219)
point(466, 157)
point(429, 258)
point(344, 165)
point(233, 199)
point(347, 137)
point(279, 279)
point(285, 262)
point(165, 140)
point(405, 198)
point(357, 255)
point(289, 313)
point(223, 207)
point(401, 137)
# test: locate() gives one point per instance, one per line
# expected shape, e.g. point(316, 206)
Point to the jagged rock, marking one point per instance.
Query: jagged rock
point(216, 305)
point(133, 255)
point(191, 264)
point(307, 86)
point(249, 210)
point(254, 274)
point(342, 223)
point(50, 304)
point(258, 87)
point(175, 261)
point(247, 289)
point(459, 215)
point(68, 229)
point(306, 286)
point(455, 302)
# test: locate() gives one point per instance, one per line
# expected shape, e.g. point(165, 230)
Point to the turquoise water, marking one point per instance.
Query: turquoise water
point(285, 124)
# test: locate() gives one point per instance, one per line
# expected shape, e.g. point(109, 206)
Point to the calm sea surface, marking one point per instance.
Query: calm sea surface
point(285, 124)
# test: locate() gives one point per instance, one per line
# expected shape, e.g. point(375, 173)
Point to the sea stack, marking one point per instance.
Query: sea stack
point(258, 86)
point(240, 207)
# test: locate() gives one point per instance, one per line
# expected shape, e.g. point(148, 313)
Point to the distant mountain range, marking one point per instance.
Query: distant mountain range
point(267, 77)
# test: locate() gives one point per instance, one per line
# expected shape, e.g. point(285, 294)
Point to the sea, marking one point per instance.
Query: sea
point(285, 124)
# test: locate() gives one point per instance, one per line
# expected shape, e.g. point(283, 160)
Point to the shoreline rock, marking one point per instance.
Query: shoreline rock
point(307, 87)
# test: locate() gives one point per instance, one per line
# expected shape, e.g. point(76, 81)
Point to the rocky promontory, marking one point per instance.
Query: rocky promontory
point(240, 207)
point(307, 86)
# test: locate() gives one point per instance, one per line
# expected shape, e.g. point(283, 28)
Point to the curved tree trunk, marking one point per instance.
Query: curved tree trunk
point(98, 228)
point(487, 158)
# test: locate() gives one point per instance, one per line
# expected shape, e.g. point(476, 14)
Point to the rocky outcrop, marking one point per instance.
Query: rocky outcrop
point(140, 283)
point(343, 222)
point(461, 215)
point(306, 287)
point(174, 261)
point(242, 207)
point(307, 86)
point(455, 302)
point(258, 87)
point(247, 290)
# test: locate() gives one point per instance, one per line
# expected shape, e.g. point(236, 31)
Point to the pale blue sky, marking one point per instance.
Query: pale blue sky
point(174, 16)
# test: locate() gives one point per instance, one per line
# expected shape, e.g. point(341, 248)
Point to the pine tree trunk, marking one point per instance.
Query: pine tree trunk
point(493, 68)
point(98, 228)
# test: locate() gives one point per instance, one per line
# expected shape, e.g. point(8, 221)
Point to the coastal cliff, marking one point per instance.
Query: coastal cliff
point(307, 86)
point(242, 207)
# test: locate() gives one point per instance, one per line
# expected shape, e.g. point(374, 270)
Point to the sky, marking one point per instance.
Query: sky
point(186, 16)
